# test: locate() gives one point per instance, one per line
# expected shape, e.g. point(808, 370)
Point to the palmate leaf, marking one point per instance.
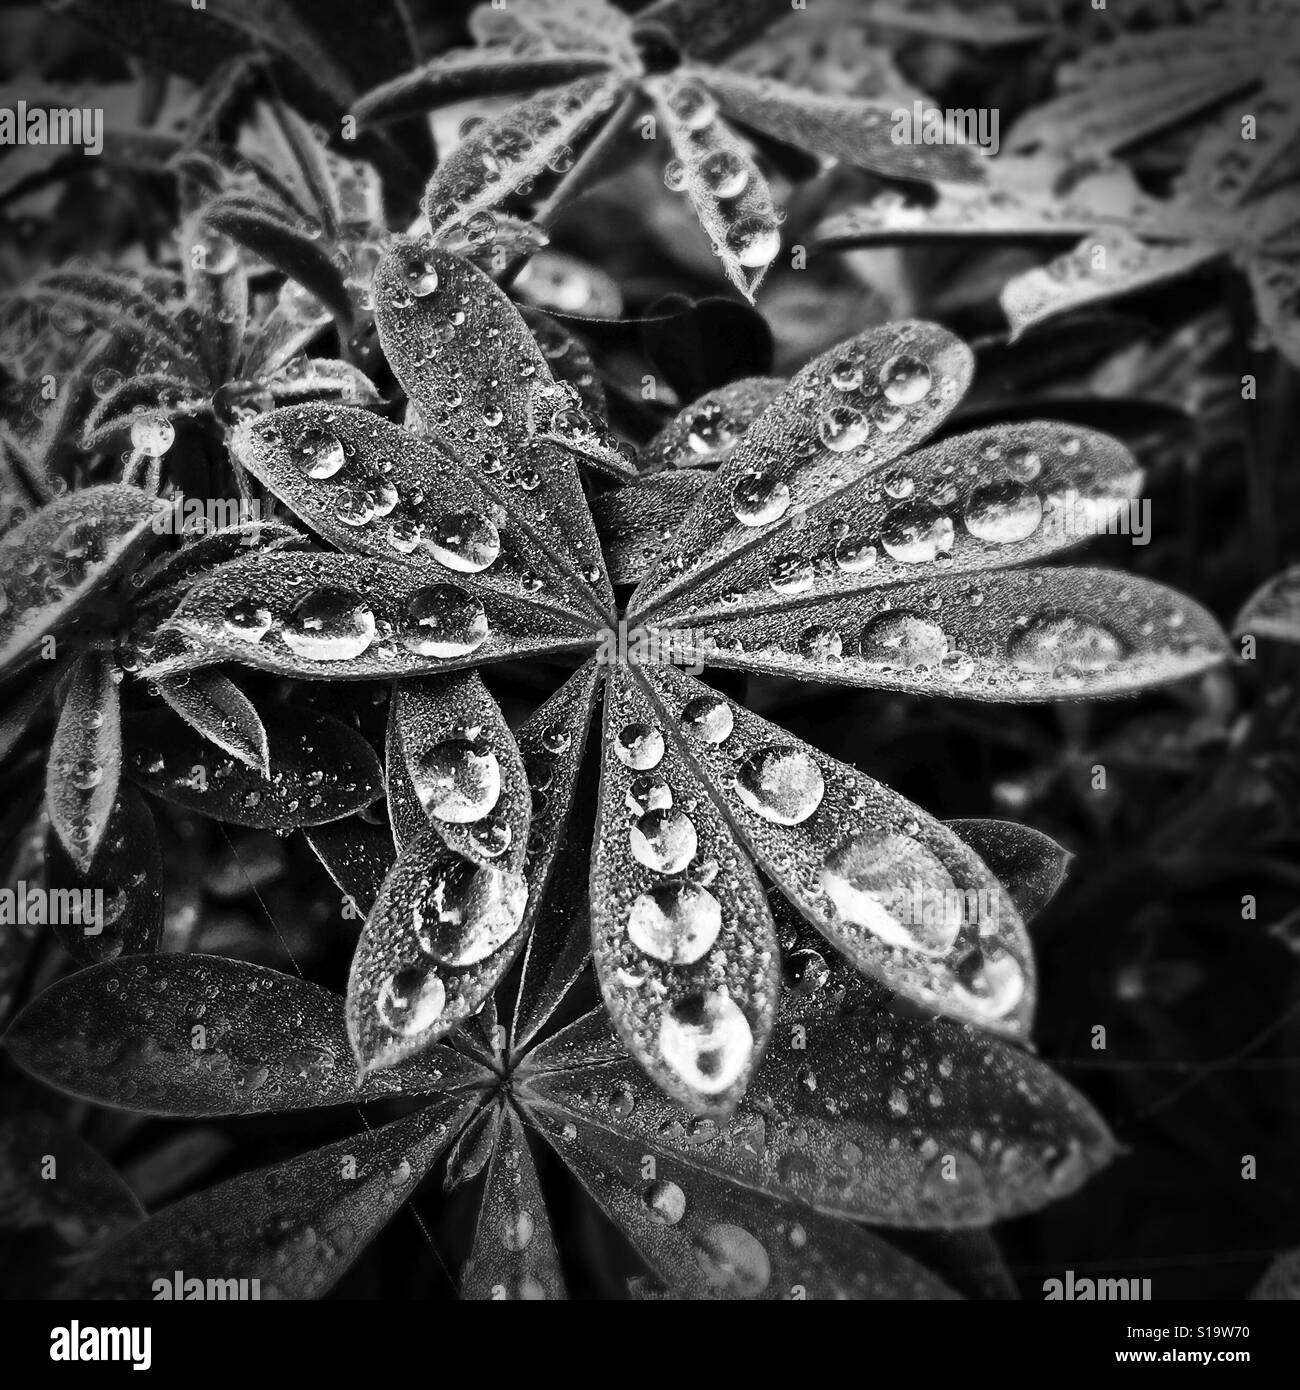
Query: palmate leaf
point(86, 1205)
point(708, 1239)
point(478, 379)
point(296, 1226)
point(216, 707)
point(1273, 610)
point(851, 129)
point(462, 897)
point(318, 770)
point(85, 761)
point(514, 1255)
point(61, 557)
point(708, 28)
point(636, 521)
point(348, 617)
point(179, 1034)
point(904, 898)
point(727, 189)
point(705, 432)
point(683, 942)
point(527, 142)
point(874, 1116)
point(128, 870)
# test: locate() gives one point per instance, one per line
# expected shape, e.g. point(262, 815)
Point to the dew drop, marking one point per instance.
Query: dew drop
point(901, 640)
point(733, 1261)
point(1053, 641)
point(330, 624)
point(458, 781)
point(820, 643)
point(1003, 512)
point(784, 785)
point(842, 429)
point(247, 620)
point(853, 555)
point(318, 453)
point(790, 574)
point(904, 379)
point(754, 241)
point(411, 1001)
point(465, 541)
point(443, 620)
point(707, 1041)
point(639, 746)
point(419, 272)
point(665, 1202)
point(664, 840)
point(675, 922)
point(759, 498)
point(916, 533)
point(709, 718)
point(649, 794)
point(467, 911)
point(725, 174)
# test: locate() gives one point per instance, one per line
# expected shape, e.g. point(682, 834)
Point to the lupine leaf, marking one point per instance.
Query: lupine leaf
point(1007, 495)
point(179, 1034)
point(854, 130)
point(296, 1226)
point(22, 709)
point(476, 375)
point(201, 554)
point(528, 141)
point(682, 939)
point(322, 378)
point(857, 1115)
point(1031, 866)
point(320, 770)
point(128, 870)
point(1019, 635)
point(85, 760)
point(89, 1203)
point(264, 230)
point(458, 905)
point(1274, 609)
point(514, 1255)
point(217, 286)
point(358, 856)
point(215, 706)
point(470, 72)
point(708, 1239)
point(889, 886)
point(704, 433)
point(140, 397)
point(116, 302)
point(727, 189)
point(375, 489)
point(708, 28)
point(61, 557)
point(783, 464)
point(350, 617)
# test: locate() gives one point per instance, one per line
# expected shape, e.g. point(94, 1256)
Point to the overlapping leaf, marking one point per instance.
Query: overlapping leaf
point(85, 761)
point(216, 707)
point(1274, 609)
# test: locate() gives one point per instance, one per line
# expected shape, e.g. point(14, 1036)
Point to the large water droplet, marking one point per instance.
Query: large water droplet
point(318, 453)
point(466, 911)
point(917, 533)
point(458, 781)
point(904, 379)
point(664, 840)
point(993, 984)
point(707, 1041)
point(782, 784)
point(724, 173)
point(896, 888)
point(675, 922)
point(1003, 512)
point(419, 272)
point(411, 1001)
point(665, 1202)
point(903, 641)
point(842, 429)
point(1064, 643)
point(465, 541)
point(709, 718)
point(733, 1261)
point(754, 241)
point(443, 620)
point(759, 498)
point(330, 624)
point(152, 435)
point(639, 746)
point(247, 619)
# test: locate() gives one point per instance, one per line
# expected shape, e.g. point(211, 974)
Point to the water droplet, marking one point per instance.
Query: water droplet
point(330, 624)
point(846, 375)
point(411, 1001)
point(649, 794)
point(665, 1202)
point(247, 620)
point(709, 718)
point(782, 784)
point(443, 620)
point(725, 174)
point(419, 272)
point(901, 640)
point(733, 1261)
point(904, 379)
point(664, 840)
point(467, 911)
point(152, 435)
point(517, 1231)
point(896, 888)
point(465, 541)
point(458, 781)
point(842, 429)
point(819, 643)
point(759, 498)
point(853, 555)
point(707, 1041)
point(1003, 512)
point(917, 533)
point(790, 574)
point(1063, 641)
point(693, 107)
point(1023, 464)
point(993, 984)
point(675, 922)
point(709, 430)
point(754, 241)
point(639, 746)
point(318, 453)
point(805, 972)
